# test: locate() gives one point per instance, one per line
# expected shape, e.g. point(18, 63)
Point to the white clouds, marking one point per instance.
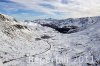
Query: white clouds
point(76, 8)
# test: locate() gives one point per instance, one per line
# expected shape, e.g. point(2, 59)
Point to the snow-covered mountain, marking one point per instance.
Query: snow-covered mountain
point(30, 44)
point(69, 25)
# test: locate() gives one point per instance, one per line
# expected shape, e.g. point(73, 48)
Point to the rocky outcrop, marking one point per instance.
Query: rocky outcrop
point(7, 18)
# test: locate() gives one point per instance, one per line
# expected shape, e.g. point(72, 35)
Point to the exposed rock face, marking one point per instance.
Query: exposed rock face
point(2, 17)
point(6, 18)
point(64, 29)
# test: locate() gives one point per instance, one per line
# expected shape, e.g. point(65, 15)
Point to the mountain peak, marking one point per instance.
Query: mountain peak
point(4, 17)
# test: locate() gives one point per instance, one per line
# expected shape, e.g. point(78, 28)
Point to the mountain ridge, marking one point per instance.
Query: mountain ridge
point(62, 26)
point(30, 44)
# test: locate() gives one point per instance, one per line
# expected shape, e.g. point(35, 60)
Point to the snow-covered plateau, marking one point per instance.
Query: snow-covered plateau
point(32, 44)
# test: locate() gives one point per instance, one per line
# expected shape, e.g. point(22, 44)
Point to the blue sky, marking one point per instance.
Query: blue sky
point(40, 9)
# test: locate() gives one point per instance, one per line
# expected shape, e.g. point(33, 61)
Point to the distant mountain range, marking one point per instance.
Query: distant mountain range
point(69, 25)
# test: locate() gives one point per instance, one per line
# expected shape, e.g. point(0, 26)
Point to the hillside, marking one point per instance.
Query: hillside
point(30, 44)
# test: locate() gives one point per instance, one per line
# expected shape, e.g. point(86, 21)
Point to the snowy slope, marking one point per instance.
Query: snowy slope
point(18, 41)
point(30, 44)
